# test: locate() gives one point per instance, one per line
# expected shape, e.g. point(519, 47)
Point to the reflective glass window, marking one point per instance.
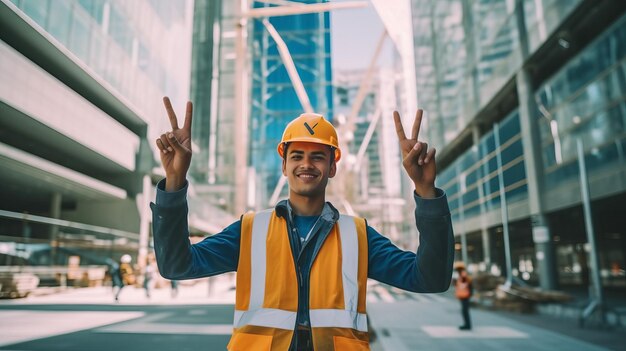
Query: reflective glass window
point(473, 210)
point(514, 174)
point(491, 185)
point(509, 127)
point(120, 31)
point(79, 41)
point(36, 9)
point(60, 21)
point(517, 193)
point(94, 8)
point(512, 152)
point(586, 101)
point(470, 196)
point(473, 176)
point(97, 48)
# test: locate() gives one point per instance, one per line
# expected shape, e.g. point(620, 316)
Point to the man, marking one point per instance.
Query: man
point(463, 291)
point(126, 276)
point(149, 274)
point(302, 268)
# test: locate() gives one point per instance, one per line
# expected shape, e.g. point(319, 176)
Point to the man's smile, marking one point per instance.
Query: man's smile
point(306, 176)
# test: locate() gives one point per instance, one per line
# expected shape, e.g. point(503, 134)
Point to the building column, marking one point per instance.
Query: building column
point(542, 237)
point(544, 251)
point(472, 66)
point(472, 54)
point(144, 221)
point(55, 212)
point(241, 115)
point(481, 195)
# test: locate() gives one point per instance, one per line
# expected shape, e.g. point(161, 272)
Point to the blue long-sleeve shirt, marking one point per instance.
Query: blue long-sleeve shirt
point(427, 270)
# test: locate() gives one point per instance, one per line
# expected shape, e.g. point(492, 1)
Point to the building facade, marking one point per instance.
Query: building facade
point(274, 102)
point(370, 173)
point(80, 108)
point(512, 87)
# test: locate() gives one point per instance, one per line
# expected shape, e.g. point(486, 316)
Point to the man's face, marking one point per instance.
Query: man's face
point(307, 167)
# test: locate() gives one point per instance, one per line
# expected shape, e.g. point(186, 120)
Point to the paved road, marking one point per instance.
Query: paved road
point(88, 319)
point(106, 328)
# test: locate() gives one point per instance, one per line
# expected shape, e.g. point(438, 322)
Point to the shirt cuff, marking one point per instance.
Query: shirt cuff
point(435, 207)
point(171, 198)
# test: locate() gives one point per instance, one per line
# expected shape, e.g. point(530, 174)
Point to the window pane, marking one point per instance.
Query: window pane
point(59, 21)
point(36, 10)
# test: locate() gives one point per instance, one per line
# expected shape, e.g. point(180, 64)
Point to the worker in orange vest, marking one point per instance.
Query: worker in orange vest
point(463, 291)
point(302, 267)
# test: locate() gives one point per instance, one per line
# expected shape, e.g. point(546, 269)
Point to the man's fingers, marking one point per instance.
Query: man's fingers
point(413, 155)
point(160, 146)
point(399, 128)
point(174, 142)
point(415, 131)
point(170, 113)
point(166, 144)
point(430, 155)
point(188, 116)
point(422, 154)
point(419, 154)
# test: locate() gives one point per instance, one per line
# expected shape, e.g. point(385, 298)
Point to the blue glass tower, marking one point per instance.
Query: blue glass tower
point(274, 100)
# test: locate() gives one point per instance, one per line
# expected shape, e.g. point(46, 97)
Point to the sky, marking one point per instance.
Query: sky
point(354, 34)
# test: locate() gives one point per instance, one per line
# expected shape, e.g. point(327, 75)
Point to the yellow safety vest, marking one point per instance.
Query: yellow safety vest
point(267, 288)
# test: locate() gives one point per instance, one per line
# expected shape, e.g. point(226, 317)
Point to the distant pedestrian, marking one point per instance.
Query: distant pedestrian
point(149, 273)
point(463, 290)
point(174, 285)
point(114, 273)
point(126, 274)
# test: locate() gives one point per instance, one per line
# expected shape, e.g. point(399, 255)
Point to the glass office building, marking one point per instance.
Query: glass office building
point(274, 100)
point(511, 87)
point(80, 108)
point(370, 175)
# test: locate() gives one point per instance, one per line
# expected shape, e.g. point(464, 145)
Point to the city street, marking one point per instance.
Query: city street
point(89, 319)
point(309, 145)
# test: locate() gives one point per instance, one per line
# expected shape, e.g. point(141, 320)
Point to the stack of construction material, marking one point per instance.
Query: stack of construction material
point(492, 292)
point(15, 285)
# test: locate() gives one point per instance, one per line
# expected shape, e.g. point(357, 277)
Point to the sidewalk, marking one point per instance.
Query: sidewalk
point(189, 293)
point(422, 325)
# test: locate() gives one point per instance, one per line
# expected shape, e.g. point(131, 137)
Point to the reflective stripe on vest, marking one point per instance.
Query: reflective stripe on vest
point(267, 286)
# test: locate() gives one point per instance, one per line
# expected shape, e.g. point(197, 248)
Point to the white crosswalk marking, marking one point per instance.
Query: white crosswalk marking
point(490, 332)
point(385, 293)
point(371, 297)
point(20, 326)
point(140, 327)
point(152, 325)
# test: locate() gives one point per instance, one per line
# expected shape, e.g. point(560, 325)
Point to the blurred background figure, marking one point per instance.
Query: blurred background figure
point(126, 274)
point(114, 273)
point(148, 276)
point(174, 286)
point(463, 292)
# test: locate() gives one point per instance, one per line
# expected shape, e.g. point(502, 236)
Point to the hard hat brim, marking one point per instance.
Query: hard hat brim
point(281, 146)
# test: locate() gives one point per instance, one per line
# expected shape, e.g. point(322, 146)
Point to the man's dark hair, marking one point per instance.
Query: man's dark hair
point(332, 153)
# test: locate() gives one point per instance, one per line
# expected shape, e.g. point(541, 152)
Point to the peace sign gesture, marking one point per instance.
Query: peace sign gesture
point(418, 161)
point(175, 147)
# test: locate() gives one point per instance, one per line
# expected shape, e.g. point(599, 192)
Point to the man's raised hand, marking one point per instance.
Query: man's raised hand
point(418, 161)
point(175, 147)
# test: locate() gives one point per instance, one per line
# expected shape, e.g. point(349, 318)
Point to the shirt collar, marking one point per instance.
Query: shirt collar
point(329, 212)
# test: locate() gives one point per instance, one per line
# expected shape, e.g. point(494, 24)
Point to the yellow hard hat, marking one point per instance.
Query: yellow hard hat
point(310, 128)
